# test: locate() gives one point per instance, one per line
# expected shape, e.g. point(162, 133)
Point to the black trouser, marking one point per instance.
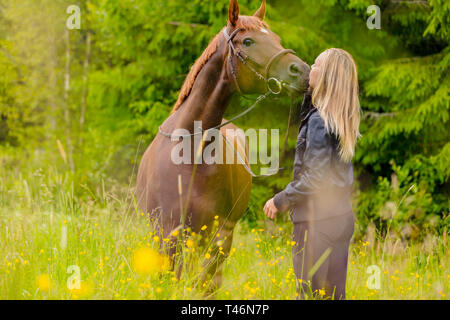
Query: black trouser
point(320, 255)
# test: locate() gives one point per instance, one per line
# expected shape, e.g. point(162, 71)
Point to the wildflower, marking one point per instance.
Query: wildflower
point(43, 282)
point(216, 217)
point(156, 238)
point(204, 227)
point(189, 243)
point(207, 256)
point(148, 261)
point(321, 292)
point(175, 233)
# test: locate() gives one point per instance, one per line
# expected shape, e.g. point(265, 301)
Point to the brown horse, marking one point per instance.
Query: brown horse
point(239, 59)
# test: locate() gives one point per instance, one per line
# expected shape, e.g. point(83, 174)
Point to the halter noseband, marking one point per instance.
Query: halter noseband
point(244, 58)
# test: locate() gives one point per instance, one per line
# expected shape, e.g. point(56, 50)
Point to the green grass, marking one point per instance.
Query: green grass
point(103, 231)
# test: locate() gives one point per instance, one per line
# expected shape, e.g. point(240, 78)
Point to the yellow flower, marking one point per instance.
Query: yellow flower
point(204, 227)
point(158, 289)
point(175, 233)
point(207, 256)
point(43, 282)
point(189, 243)
point(216, 217)
point(148, 261)
point(156, 238)
point(321, 292)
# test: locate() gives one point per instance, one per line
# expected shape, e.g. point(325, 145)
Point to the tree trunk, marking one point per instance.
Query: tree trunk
point(67, 103)
point(85, 79)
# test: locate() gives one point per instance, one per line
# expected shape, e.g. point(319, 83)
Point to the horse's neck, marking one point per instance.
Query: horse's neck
point(210, 94)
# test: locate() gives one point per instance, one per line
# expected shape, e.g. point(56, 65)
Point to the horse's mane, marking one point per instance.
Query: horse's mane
point(244, 22)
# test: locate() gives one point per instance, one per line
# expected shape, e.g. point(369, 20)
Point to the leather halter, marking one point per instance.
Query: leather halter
point(244, 58)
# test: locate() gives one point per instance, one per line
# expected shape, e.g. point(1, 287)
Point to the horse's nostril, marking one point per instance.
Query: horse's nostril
point(294, 69)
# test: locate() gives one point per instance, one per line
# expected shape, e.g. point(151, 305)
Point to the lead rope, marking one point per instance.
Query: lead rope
point(283, 151)
point(243, 163)
point(170, 135)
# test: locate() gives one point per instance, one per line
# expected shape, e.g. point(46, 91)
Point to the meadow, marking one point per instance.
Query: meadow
point(48, 232)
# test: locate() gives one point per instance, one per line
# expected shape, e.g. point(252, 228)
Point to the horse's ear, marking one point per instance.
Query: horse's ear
point(233, 12)
point(261, 12)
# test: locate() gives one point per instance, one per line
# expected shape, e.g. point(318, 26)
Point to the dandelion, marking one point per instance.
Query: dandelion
point(216, 217)
point(43, 282)
point(156, 238)
point(204, 227)
point(207, 256)
point(321, 292)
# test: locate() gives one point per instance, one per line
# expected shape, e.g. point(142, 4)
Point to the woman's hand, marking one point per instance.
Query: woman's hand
point(269, 209)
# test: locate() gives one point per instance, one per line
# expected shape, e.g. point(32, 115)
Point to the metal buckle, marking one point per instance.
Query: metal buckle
point(278, 84)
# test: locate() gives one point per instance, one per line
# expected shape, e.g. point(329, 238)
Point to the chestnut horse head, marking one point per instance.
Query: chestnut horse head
point(257, 60)
point(245, 57)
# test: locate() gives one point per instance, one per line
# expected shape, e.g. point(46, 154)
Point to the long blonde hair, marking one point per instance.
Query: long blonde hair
point(336, 98)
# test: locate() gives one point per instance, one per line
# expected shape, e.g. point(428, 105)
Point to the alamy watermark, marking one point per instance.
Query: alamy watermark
point(74, 280)
point(212, 147)
point(374, 280)
point(74, 20)
point(374, 21)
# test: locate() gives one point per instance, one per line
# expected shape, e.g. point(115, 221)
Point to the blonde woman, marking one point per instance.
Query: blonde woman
point(319, 197)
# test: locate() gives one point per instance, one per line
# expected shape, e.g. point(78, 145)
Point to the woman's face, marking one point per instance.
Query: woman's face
point(315, 69)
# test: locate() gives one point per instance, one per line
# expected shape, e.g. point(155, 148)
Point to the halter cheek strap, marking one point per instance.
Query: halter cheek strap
point(244, 58)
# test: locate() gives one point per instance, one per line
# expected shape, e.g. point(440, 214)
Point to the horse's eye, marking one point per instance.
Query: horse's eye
point(248, 42)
